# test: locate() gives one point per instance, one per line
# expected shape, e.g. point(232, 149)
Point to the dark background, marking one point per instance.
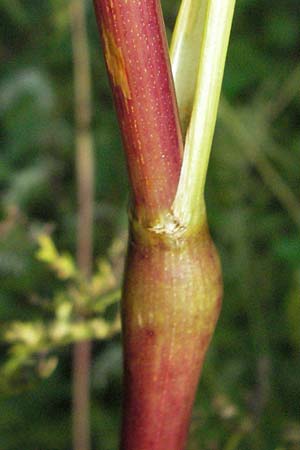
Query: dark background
point(249, 394)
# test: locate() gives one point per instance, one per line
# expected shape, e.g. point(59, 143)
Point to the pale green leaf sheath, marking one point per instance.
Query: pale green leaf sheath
point(198, 53)
point(185, 55)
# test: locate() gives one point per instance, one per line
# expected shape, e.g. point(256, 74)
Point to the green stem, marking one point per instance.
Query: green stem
point(187, 40)
point(215, 18)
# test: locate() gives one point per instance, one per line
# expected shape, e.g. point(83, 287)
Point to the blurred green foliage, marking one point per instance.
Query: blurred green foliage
point(76, 312)
point(250, 390)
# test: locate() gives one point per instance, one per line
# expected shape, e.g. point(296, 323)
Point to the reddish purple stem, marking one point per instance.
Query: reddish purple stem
point(136, 54)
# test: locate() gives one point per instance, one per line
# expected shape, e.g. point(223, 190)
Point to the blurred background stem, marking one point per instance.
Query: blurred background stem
point(272, 179)
point(85, 182)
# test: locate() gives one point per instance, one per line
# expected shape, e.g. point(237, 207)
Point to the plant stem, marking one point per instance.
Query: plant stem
point(135, 49)
point(253, 151)
point(172, 286)
point(81, 395)
point(85, 181)
point(187, 40)
point(171, 301)
point(215, 19)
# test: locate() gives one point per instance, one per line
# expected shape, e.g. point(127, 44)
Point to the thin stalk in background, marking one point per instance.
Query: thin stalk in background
point(254, 153)
point(85, 183)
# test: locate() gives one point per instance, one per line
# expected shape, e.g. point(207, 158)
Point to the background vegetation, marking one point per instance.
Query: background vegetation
point(250, 391)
